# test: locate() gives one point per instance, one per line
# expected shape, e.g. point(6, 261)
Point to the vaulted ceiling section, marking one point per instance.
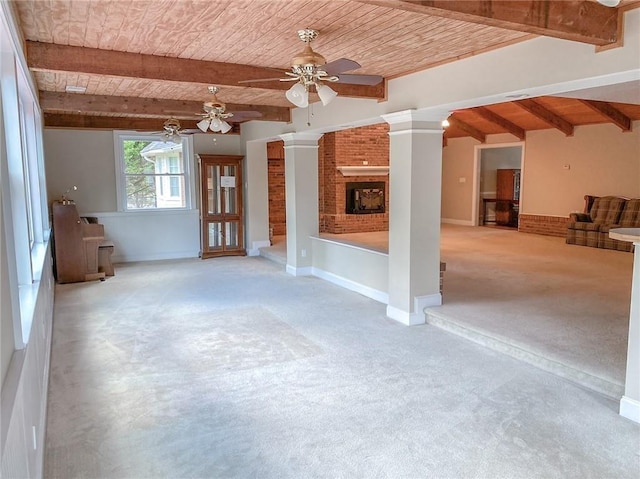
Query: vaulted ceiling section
point(140, 62)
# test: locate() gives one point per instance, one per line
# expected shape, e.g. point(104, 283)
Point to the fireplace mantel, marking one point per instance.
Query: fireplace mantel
point(363, 170)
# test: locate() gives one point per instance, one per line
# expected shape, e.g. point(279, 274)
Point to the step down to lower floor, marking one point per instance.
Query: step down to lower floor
point(526, 354)
point(275, 257)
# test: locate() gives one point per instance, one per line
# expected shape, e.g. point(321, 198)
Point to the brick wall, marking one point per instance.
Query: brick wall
point(277, 213)
point(543, 225)
point(351, 148)
point(342, 148)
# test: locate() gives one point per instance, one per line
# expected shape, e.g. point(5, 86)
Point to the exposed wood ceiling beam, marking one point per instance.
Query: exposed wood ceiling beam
point(56, 120)
point(80, 103)
point(502, 122)
point(546, 115)
point(474, 132)
point(52, 57)
point(610, 113)
point(580, 21)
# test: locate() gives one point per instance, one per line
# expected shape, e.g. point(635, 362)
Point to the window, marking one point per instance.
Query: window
point(153, 174)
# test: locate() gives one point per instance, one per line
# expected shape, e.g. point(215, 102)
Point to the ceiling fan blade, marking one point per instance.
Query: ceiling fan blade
point(340, 65)
point(360, 79)
point(259, 80)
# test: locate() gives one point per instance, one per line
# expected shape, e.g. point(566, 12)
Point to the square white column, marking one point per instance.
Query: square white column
point(415, 186)
point(301, 189)
point(256, 194)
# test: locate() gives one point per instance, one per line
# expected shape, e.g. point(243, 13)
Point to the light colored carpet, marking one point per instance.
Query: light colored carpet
point(563, 308)
point(230, 368)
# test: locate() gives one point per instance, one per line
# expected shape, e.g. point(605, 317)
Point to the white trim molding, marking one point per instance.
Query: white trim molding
point(367, 291)
point(305, 271)
point(426, 301)
point(363, 170)
point(630, 408)
point(408, 319)
point(255, 247)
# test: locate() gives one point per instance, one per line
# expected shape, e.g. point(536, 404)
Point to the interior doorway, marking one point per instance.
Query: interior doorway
point(498, 180)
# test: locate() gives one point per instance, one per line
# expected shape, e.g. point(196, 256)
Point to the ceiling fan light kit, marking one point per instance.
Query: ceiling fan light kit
point(298, 95)
point(609, 3)
point(215, 115)
point(326, 94)
point(310, 69)
point(171, 130)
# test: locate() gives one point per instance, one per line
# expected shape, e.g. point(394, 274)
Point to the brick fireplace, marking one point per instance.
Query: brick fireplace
point(344, 153)
point(357, 156)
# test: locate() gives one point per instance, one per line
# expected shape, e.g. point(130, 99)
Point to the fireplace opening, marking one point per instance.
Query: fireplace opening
point(365, 197)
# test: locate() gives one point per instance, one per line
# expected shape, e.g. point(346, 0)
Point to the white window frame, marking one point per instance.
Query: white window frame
point(22, 181)
point(187, 158)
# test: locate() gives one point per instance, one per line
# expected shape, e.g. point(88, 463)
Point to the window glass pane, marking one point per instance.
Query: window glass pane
point(141, 193)
point(213, 189)
point(175, 186)
point(215, 236)
point(175, 165)
point(231, 234)
point(230, 200)
point(154, 174)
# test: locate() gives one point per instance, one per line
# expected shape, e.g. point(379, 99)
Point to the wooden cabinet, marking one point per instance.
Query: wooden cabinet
point(76, 245)
point(507, 197)
point(221, 208)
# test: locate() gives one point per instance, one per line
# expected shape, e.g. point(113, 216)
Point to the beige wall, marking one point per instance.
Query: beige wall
point(602, 161)
point(457, 162)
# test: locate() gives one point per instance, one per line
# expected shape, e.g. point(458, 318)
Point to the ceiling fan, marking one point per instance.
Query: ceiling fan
point(310, 69)
point(215, 115)
point(171, 131)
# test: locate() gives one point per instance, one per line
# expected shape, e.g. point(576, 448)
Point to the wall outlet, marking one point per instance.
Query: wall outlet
point(365, 162)
point(462, 179)
point(303, 253)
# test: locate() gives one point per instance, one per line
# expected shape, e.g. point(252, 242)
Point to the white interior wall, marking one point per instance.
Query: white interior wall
point(82, 158)
point(7, 344)
point(86, 159)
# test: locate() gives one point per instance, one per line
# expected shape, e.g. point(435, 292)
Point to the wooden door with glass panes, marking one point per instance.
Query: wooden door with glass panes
point(222, 222)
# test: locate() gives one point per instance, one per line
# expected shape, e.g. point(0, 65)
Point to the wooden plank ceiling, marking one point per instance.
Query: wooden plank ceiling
point(142, 61)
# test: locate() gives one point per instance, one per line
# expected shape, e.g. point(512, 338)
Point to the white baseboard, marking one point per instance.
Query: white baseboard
point(451, 221)
point(421, 302)
point(367, 291)
point(153, 257)
point(408, 319)
point(630, 408)
point(255, 247)
point(306, 271)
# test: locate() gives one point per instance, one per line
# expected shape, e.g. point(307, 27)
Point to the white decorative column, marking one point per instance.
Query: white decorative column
point(301, 188)
point(630, 402)
point(415, 184)
point(256, 191)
